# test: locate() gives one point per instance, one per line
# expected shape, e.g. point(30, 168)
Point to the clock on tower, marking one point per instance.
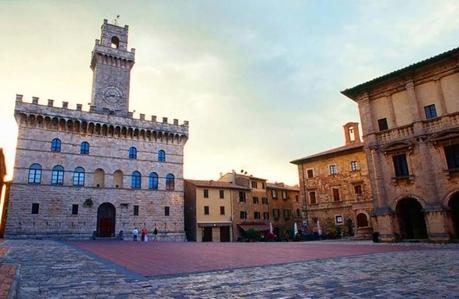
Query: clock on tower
point(111, 64)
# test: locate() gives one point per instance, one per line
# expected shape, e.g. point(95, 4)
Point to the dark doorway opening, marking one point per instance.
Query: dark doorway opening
point(411, 219)
point(224, 234)
point(106, 218)
point(207, 234)
point(454, 206)
point(362, 220)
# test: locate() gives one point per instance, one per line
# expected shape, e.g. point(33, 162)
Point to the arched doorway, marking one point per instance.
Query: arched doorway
point(454, 206)
point(362, 220)
point(106, 216)
point(411, 219)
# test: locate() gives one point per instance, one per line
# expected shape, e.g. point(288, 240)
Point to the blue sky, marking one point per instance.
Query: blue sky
point(259, 81)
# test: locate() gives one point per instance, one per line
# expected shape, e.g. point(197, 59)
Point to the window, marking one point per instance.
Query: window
point(358, 190)
point(136, 210)
point(170, 182)
point(118, 179)
point(355, 165)
point(243, 215)
point(206, 210)
point(241, 196)
point(266, 215)
point(284, 195)
point(84, 148)
point(310, 173)
point(274, 193)
point(335, 194)
point(78, 176)
point(136, 180)
point(296, 198)
point(254, 184)
point(115, 42)
point(162, 156)
point(286, 213)
point(57, 175)
point(222, 210)
point(430, 111)
point(298, 213)
point(35, 174)
point(255, 200)
point(222, 193)
point(132, 153)
point(166, 211)
point(400, 166)
point(35, 208)
point(382, 124)
point(56, 145)
point(263, 185)
point(312, 198)
point(452, 156)
point(206, 193)
point(99, 178)
point(276, 213)
point(74, 209)
point(333, 169)
point(256, 215)
point(264, 200)
point(153, 181)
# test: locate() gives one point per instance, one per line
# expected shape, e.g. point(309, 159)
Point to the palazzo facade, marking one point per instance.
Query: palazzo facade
point(410, 121)
point(95, 173)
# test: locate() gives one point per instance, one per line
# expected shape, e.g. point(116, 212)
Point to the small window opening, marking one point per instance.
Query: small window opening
point(115, 42)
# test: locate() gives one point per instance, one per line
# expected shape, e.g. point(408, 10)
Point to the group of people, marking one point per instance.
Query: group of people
point(143, 234)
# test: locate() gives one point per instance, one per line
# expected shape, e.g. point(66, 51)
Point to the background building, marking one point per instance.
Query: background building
point(335, 187)
point(285, 207)
point(79, 173)
point(250, 209)
point(208, 210)
point(410, 121)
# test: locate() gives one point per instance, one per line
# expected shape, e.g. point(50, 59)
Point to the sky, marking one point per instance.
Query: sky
point(259, 81)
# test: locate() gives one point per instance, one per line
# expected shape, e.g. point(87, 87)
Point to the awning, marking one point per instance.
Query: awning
point(256, 227)
point(214, 224)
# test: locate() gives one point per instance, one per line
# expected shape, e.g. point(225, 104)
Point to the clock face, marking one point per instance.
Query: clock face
point(112, 95)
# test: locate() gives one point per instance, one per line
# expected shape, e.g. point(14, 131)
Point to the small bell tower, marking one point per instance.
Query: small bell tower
point(351, 133)
point(111, 64)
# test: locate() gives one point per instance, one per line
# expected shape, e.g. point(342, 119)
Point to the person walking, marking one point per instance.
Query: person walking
point(142, 234)
point(155, 233)
point(145, 231)
point(135, 234)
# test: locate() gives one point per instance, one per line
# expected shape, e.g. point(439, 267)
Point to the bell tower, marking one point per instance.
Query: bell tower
point(111, 64)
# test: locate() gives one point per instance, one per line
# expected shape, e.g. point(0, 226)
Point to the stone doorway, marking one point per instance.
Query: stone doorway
point(411, 219)
point(106, 219)
point(362, 220)
point(454, 206)
point(207, 234)
point(224, 234)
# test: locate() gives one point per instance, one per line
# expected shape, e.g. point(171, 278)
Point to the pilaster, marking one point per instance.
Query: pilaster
point(436, 221)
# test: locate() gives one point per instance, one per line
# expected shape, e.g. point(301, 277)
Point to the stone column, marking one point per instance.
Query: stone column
point(392, 116)
point(436, 222)
point(365, 114)
point(414, 107)
point(440, 96)
point(384, 219)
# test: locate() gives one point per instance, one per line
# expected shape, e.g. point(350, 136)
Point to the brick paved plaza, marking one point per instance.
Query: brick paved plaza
point(101, 269)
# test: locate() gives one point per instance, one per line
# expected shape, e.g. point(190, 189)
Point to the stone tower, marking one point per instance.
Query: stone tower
point(351, 133)
point(111, 64)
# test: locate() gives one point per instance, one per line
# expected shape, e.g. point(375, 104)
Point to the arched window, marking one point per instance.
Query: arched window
point(99, 178)
point(118, 179)
point(78, 176)
point(115, 42)
point(136, 180)
point(153, 181)
point(84, 148)
point(132, 153)
point(35, 174)
point(57, 175)
point(56, 145)
point(161, 156)
point(170, 182)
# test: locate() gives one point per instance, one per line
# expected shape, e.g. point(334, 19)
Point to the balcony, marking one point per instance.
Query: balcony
point(429, 126)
